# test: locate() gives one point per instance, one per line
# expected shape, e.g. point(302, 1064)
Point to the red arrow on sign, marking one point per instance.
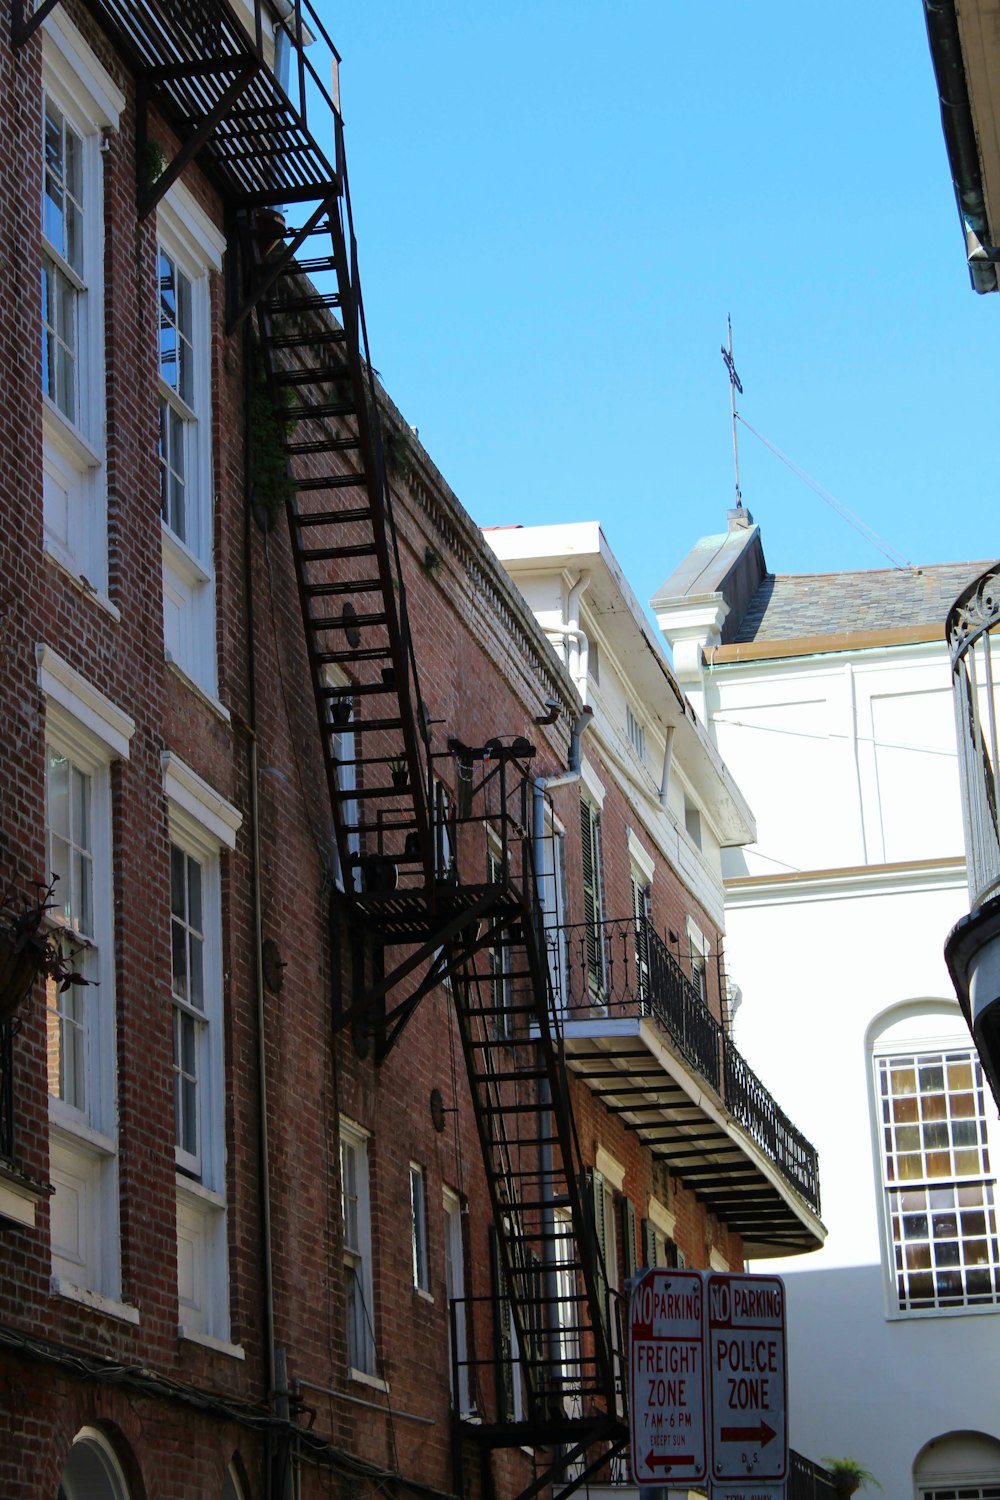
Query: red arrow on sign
point(664, 1461)
point(761, 1434)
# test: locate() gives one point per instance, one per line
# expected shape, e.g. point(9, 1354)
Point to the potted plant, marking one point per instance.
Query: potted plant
point(848, 1475)
point(28, 948)
point(400, 772)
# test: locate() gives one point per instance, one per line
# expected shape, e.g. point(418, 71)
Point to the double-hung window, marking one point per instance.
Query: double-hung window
point(85, 732)
point(189, 251)
point(358, 1281)
point(80, 101)
point(202, 826)
point(454, 1280)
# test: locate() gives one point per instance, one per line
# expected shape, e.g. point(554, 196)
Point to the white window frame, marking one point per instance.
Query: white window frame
point(454, 1280)
point(344, 747)
point(551, 864)
point(419, 1246)
point(74, 450)
point(187, 235)
point(91, 731)
point(354, 1140)
point(202, 825)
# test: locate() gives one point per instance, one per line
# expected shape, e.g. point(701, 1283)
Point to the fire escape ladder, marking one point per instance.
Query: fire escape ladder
point(323, 412)
point(552, 1301)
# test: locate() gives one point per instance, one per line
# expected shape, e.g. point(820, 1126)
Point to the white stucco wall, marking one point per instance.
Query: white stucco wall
point(849, 766)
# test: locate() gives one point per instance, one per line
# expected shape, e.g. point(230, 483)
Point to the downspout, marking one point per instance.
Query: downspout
point(539, 787)
point(578, 657)
point(263, 1150)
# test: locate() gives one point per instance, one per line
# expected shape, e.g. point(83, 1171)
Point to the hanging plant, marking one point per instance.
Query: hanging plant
point(848, 1475)
point(154, 161)
point(29, 948)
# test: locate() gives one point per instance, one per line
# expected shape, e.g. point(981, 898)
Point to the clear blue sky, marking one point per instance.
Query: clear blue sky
point(557, 204)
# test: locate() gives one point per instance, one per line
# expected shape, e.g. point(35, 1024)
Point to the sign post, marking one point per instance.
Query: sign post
point(667, 1379)
point(748, 1391)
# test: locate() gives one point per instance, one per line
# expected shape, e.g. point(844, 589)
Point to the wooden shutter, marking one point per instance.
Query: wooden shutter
point(502, 1342)
point(640, 918)
point(628, 1238)
point(649, 1259)
point(595, 1187)
point(590, 841)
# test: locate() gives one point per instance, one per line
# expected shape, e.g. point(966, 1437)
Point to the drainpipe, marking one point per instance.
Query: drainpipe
point(668, 756)
point(539, 787)
point(263, 1149)
point(578, 656)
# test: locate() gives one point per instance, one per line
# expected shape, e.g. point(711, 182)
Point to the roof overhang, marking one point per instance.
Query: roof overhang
point(629, 1066)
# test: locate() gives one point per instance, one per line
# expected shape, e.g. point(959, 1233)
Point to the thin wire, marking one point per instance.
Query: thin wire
point(863, 529)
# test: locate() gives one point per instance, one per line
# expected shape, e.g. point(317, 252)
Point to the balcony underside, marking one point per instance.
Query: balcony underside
point(627, 1063)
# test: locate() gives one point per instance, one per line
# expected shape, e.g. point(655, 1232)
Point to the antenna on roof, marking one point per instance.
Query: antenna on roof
point(735, 385)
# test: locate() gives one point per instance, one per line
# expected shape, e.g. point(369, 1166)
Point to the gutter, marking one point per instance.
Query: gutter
point(960, 141)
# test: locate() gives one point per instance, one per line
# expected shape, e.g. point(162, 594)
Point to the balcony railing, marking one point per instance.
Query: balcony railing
point(619, 968)
point(973, 621)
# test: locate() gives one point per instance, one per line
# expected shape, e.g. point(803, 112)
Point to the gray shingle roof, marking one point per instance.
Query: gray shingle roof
point(787, 605)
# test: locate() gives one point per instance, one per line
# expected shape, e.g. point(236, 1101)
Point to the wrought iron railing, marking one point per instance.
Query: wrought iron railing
point(621, 968)
point(7, 1029)
point(972, 622)
point(807, 1480)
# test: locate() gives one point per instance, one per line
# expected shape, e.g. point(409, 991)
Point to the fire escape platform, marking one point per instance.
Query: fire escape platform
point(630, 1065)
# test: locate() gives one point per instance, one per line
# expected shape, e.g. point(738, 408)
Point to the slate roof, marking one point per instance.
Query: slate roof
point(789, 605)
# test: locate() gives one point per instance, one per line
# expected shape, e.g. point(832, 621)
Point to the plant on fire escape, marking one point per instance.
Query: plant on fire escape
point(29, 948)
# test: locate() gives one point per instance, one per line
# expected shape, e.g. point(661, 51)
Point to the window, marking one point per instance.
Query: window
point(418, 1229)
point(658, 1246)
point(636, 732)
point(692, 822)
point(550, 864)
point(202, 825)
point(84, 732)
point(92, 1470)
point(939, 1189)
point(568, 1310)
point(593, 896)
point(356, 1208)
point(79, 101)
point(454, 1280)
point(189, 250)
point(699, 948)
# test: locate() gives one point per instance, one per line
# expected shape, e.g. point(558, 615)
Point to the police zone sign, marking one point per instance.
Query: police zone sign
point(747, 1381)
point(667, 1378)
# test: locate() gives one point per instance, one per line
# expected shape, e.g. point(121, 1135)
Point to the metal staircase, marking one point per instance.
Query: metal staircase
point(245, 88)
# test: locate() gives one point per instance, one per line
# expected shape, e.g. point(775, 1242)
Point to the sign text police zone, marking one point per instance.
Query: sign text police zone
point(667, 1378)
point(747, 1377)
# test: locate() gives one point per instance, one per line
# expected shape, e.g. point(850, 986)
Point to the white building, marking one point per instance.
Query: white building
point(829, 699)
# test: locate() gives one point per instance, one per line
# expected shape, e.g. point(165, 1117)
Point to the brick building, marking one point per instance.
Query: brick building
point(297, 1194)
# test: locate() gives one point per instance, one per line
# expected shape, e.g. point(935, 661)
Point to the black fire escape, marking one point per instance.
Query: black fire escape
point(435, 890)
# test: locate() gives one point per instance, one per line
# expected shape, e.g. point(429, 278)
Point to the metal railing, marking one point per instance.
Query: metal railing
point(807, 1480)
point(619, 968)
point(972, 621)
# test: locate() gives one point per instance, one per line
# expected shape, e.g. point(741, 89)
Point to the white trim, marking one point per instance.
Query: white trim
point(17, 1205)
point(643, 861)
point(181, 217)
point(213, 704)
point(221, 1346)
point(610, 1169)
point(374, 1382)
point(717, 1261)
point(77, 69)
point(665, 1221)
point(592, 783)
point(65, 686)
point(192, 795)
point(111, 1306)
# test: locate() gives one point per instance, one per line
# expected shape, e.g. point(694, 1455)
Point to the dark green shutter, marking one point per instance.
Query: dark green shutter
point(590, 839)
point(628, 1238)
point(649, 1245)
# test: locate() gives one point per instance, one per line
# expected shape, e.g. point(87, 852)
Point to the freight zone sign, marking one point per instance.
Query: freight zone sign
point(747, 1379)
point(667, 1387)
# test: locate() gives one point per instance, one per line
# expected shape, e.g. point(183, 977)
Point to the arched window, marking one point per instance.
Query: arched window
point(965, 1464)
point(92, 1472)
point(932, 1124)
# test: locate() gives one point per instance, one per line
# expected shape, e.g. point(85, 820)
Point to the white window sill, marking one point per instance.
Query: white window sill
point(198, 1193)
point(77, 1132)
point(219, 709)
point(61, 431)
point(219, 1346)
point(110, 1306)
point(424, 1295)
point(179, 556)
point(373, 1382)
point(81, 582)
